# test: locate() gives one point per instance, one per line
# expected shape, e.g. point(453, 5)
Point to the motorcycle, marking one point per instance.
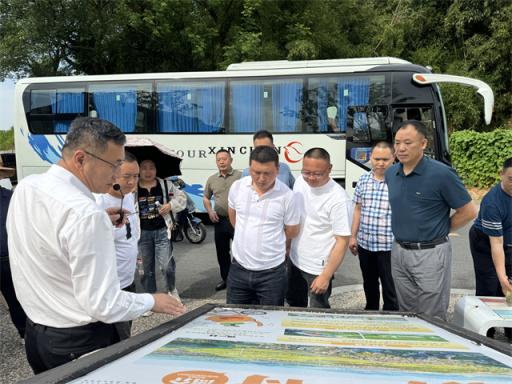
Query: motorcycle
point(187, 224)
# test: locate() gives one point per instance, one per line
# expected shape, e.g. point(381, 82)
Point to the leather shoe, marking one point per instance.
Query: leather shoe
point(220, 286)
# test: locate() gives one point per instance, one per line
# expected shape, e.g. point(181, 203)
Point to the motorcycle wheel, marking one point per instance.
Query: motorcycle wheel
point(195, 233)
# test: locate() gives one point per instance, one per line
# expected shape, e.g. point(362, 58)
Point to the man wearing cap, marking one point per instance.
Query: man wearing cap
point(16, 312)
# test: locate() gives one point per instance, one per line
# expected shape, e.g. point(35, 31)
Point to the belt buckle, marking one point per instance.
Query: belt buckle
point(418, 245)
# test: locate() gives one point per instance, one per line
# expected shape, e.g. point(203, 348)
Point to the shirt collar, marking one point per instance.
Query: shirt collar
point(372, 176)
point(228, 174)
point(277, 185)
point(69, 178)
point(419, 169)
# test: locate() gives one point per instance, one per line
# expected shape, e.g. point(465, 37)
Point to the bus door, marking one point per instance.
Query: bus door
point(423, 113)
point(366, 126)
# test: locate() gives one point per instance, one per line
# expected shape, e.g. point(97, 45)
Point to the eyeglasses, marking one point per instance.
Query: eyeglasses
point(115, 166)
point(315, 175)
point(129, 177)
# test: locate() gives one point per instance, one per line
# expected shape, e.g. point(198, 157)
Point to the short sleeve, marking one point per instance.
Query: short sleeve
point(453, 190)
point(340, 218)
point(357, 199)
point(233, 192)
point(292, 214)
point(490, 217)
point(208, 188)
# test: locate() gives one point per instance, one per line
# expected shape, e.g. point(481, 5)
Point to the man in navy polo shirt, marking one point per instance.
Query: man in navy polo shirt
point(490, 238)
point(422, 191)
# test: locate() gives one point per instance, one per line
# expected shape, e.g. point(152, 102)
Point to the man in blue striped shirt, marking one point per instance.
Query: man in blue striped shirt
point(490, 238)
point(372, 237)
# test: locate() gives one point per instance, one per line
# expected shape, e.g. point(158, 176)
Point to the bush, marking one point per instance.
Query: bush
point(478, 156)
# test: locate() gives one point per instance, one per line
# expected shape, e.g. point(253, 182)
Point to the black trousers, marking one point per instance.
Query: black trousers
point(223, 235)
point(375, 266)
point(18, 316)
point(487, 283)
point(49, 347)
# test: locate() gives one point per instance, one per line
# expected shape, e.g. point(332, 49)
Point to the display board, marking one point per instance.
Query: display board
point(244, 345)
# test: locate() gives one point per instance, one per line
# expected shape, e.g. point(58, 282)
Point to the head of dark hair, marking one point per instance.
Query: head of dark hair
point(264, 154)
point(263, 134)
point(318, 153)
point(92, 134)
point(129, 157)
point(222, 150)
point(417, 125)
point(507, 163)
point(384, 145)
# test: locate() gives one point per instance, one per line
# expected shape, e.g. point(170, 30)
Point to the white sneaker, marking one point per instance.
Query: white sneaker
point(147, 314)
point(174, 293)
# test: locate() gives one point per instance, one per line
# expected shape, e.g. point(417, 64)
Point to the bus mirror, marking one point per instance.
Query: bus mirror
point(483, 89)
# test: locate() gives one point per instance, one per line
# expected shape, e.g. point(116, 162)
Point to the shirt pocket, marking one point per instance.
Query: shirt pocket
point(422, 194)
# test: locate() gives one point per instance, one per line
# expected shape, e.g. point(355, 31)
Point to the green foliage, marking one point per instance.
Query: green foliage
point(460, 37)
point(478, 156)
point(7, 140)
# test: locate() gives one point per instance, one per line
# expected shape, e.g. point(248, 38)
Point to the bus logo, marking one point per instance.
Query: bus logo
point(293, 151)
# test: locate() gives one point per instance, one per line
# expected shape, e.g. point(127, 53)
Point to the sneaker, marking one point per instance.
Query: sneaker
point(174, 293)
point(147, 314)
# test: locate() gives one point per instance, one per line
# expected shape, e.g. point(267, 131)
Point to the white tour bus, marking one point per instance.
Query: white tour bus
point(344, 106)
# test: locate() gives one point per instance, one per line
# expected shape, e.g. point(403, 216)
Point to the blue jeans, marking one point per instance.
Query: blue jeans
point(266, 287)
point(154, 244)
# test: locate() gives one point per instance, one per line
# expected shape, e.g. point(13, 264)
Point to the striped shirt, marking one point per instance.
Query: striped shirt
point(495, 216)
point(375, 225)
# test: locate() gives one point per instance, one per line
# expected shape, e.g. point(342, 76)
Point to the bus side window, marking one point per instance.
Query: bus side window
point(41, 103)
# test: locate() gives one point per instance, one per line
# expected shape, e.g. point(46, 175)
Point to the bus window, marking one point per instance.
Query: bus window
point(186, 107)
point(52, 110)
point(120, 104)
point(423, 114)
point(329, 99)
point(263, 104)
point(366, 126)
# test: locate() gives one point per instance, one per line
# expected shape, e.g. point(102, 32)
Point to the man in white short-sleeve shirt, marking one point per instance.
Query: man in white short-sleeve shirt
point(62, 255)
point(319, 249)
point(264, 213)
point(126, 237)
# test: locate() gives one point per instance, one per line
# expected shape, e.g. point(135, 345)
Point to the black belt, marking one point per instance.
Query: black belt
point(86, 327)
point(422, 244)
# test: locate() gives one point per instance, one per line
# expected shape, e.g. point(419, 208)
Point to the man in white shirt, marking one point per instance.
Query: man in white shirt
point(126, 236)
point(319, 249)
point(62, 251)
point(264, 213)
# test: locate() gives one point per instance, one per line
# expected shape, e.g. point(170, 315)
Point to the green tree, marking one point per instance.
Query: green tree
point(7, 140)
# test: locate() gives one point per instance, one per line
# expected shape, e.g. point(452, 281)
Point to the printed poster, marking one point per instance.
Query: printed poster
point(252, 346)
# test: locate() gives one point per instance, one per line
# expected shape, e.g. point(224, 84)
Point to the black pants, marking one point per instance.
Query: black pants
point(223, 236)
point(49, 347)
point(487, 283)
point(16, 312)
point(375, 266)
